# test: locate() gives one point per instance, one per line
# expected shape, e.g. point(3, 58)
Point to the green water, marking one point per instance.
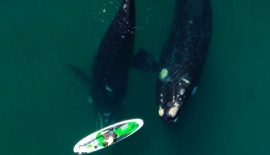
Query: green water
point(44, 108)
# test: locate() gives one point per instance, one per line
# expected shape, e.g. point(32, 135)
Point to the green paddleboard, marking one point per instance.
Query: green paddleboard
point(94, 141)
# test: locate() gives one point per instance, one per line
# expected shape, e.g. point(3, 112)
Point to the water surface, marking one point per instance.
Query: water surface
point(44, 108)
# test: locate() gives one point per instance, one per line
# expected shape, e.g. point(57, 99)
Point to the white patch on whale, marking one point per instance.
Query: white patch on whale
point(182, 92)
point(173, 111)
point(161, 111)
point(186, 81)
point(124, 6)
point(163, 73)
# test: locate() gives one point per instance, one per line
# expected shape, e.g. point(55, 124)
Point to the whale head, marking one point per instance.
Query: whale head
point(105, 119)
point(172, 92)
point(106, 116)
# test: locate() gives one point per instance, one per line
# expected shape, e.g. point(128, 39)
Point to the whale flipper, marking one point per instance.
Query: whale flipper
point(145, 61)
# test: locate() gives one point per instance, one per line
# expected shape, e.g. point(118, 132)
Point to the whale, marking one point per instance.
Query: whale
point(180, 63)
point(111, 64)
point(182, 58)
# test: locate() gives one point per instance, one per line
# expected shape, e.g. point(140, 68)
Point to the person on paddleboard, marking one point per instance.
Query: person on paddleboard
point(109, 138)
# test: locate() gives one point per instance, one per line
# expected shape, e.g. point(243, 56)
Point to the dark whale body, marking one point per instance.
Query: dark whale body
point(110, 69)
point(111, 64)
point(182, 58)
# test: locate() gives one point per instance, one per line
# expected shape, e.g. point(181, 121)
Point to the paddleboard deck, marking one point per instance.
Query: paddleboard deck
point(94, 141)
